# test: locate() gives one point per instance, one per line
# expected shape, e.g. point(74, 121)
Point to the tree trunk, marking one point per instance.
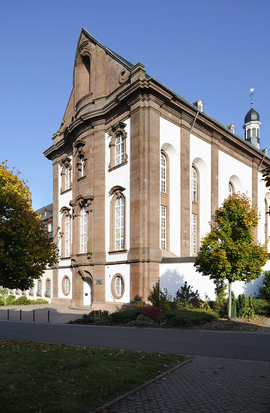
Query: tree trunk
point(230, 302)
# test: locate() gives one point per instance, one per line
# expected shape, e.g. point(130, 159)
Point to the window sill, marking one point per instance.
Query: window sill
point(81, 178)
point(117, 252)
point(117, 166)
point(65, 191)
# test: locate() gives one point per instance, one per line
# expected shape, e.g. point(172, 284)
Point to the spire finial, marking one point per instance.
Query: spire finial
point(251, 95)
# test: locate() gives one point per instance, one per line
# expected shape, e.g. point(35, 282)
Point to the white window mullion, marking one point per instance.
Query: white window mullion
point(163, 227)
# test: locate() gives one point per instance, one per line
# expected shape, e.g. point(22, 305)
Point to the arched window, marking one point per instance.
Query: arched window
point(117, 219)
point(67, 178)
point(195, 210)
point(67, 236)
point(119, 149)
point(117, 145)
point(48, 288)
point(120, 223)
point(193, 184)
point(163, 227)
point(230, 189)
point(83, 230)
point(162, 173)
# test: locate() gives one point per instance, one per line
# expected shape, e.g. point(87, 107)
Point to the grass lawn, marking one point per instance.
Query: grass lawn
point(44, 378)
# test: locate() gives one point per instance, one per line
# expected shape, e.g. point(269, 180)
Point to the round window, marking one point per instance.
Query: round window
point(118, 286)
point(66, 285)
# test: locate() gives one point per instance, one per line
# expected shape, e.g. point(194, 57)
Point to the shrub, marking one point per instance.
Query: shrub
point(139, 322)
point(241, 305)
point(10, 299)
point(249, 313)
point(261, 306)
point(265, 289)
point(122, 317)
point(2, 301)
point(23, 300)
point(151, 312)
point(185, 294)
point(96, 317)
point(233, 308)
point(160, 299)
point(39, 301)
point(190, 317)
point(220, 307)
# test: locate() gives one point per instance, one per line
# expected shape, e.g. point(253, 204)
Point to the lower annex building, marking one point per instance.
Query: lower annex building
point(137, 173)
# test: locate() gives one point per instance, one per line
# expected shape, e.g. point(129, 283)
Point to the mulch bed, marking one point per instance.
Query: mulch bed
point(236, 324)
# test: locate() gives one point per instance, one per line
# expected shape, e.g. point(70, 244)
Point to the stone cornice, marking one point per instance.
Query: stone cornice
point(150, 90)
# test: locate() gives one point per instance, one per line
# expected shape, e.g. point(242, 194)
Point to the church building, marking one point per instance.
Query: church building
point(138, 171)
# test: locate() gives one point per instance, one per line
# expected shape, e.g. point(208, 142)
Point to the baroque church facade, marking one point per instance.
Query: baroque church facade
point(138, 171)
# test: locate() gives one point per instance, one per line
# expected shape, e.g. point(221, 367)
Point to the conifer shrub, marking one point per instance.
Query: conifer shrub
point(250, 311)
point(241, 305)
point(220, 307)
point(265, 289)
point(159, 298)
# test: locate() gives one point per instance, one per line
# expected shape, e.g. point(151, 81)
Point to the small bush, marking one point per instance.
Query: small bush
point(141, 322)
point(123, 317)
point(96, 317)
point(241, 305)
point(2, 301)
point(23, 300)
point(151, 312)
point(190, 317)
point(249, 313)
point(265, 289)
point(185, 294)
point(10, 299)
point(160, 299)
point(39, 301)
point(220, 307)
point(261, 306)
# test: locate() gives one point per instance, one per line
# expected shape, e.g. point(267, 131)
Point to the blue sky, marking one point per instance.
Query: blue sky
point(211, 50)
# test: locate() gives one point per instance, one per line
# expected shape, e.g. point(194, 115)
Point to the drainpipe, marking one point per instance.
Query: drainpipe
point(265, 153)
point(194, 122)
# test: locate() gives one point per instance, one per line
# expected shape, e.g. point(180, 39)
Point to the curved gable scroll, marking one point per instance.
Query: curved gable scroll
point(80, 202)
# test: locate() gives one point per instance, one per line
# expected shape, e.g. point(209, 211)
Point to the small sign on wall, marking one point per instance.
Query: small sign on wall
point(99, 281)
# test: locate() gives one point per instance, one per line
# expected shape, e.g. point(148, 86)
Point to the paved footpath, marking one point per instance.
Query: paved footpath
point(202, 385)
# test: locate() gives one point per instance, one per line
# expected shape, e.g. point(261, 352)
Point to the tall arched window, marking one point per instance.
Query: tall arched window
point(163, 227)
point(193, 184)
point(119, 150)
point(67, 236)
point(83, 230)
point(117, 219)
point(119, 223)
point(163, 173)
point(195, 210)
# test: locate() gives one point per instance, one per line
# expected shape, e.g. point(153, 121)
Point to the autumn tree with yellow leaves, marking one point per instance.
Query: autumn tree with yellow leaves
point(25, 247)
point(230, 251)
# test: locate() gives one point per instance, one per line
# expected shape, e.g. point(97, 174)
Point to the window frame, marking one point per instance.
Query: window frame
point(117, 192)
point(116, 131)
point(113, 286)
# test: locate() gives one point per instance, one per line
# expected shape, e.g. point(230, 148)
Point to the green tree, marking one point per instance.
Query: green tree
point(25, 247)
point(229, 251)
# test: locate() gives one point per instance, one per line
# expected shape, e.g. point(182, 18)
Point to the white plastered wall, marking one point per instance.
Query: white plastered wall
point(61, 274)
point(174, 275)
point(170, 143)
point(119, 176)
point(233, 170)
point(111, 270)
point(200, 155)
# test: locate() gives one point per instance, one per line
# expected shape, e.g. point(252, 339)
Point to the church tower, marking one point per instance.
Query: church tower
point(252, 127)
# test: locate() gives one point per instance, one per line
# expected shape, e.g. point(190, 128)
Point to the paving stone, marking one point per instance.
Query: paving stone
point(205, 385)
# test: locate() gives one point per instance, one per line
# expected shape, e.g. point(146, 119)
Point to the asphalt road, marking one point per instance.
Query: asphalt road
point(238, 345)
